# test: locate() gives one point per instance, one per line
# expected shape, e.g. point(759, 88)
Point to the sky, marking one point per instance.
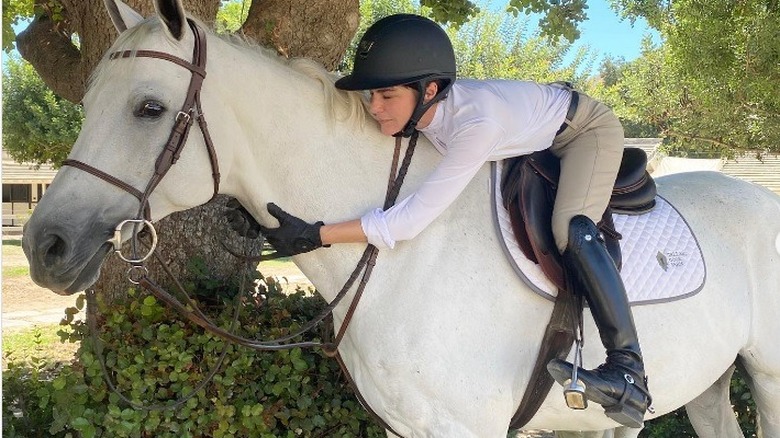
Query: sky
point(603, 31)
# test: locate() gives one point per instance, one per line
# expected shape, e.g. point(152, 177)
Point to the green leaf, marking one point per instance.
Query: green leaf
point(80, 423)
point(59, 382)
point(257, 409)
point(80, 301)
point(300, 364)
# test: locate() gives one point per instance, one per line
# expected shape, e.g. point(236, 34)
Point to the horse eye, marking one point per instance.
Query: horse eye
point(150, 108)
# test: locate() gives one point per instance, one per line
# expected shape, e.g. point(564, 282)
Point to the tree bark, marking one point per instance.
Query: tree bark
point(59, 64)
point(321, 30)
point(318, 29)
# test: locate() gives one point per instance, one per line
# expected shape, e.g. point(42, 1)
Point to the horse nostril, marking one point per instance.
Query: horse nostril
point(53, 249)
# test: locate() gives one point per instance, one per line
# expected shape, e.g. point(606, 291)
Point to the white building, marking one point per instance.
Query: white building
point(764, 171)
point(23, 187)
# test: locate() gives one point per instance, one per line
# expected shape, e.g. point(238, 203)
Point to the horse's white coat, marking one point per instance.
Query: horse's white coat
point(445, 336)
point(777, 244)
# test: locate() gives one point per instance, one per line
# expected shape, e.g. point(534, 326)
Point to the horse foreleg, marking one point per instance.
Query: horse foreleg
point(711, 414)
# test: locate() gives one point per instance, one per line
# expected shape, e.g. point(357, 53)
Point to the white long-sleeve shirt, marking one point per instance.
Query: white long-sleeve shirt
point(479, 121)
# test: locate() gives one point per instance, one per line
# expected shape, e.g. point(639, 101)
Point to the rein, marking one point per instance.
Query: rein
point(138, 274)
point(365, 265)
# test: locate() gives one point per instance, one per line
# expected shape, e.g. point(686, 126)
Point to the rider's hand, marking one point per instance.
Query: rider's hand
point(241, 221)
point(293, 236)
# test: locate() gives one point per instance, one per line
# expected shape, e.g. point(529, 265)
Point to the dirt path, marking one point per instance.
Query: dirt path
point(24, 303)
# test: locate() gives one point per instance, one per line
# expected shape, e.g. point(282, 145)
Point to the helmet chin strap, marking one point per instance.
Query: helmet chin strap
point(421, 107)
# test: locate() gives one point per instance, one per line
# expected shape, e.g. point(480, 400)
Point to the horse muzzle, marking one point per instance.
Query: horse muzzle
point(63, 261)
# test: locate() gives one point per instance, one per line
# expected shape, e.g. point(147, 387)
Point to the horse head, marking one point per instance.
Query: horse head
point(271, 119)
point(132, 105)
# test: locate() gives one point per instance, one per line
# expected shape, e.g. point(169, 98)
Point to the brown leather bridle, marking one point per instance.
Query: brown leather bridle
point(191, 110)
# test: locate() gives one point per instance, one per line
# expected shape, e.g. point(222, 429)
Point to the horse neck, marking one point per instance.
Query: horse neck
point(288, 149)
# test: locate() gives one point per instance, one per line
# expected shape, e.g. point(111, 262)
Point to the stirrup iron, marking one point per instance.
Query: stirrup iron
point(574, 389)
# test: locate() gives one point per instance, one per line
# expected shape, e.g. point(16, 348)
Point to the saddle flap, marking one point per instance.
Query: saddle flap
point(536, 206)
point(528, 187)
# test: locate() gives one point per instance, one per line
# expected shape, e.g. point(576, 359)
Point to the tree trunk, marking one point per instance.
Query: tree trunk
point(318, 29)
point(64, 66)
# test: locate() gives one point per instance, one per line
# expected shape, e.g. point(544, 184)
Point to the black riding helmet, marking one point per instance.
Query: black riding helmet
point(403, 49)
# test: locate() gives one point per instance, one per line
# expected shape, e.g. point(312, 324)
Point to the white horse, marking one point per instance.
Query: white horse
point(444, 339)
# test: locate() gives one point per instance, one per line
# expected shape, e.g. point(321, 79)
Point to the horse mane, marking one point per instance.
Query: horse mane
point(347, 106)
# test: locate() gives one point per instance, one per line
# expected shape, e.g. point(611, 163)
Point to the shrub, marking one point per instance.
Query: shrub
point(27, 388)
point(676, 424)
point(154, 357)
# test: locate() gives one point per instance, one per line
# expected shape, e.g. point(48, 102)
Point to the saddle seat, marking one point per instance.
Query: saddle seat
point(528, 186)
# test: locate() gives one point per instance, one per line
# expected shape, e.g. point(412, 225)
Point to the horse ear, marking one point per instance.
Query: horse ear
point(123, 16)
point(171, 13)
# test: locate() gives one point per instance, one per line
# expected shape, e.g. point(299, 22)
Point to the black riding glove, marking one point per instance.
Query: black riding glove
point(241, 221)
point(293, 236)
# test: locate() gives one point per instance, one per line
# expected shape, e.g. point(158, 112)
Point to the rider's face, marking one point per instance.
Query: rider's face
point(392, 107)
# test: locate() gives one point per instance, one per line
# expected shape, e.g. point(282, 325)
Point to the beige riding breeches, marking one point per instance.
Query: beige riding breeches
point(590, 150)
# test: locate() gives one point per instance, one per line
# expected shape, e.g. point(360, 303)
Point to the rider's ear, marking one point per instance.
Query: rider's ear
point(430, 91)
point(123, 16)
point(171, 12)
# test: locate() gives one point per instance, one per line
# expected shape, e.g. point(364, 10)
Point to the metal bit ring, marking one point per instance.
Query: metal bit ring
point(116, 241)
point(136, 273)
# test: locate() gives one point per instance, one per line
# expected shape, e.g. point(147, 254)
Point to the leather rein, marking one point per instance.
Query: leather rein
point(138, 274)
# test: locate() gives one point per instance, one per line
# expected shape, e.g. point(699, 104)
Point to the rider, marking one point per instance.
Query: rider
point(407, 63)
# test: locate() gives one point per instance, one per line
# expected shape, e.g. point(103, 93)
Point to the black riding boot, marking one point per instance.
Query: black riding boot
point(619, 385)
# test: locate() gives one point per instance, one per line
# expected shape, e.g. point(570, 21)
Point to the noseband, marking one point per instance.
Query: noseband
point(191, 109)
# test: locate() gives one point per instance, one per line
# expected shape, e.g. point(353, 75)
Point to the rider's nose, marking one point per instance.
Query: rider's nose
point(374, 106)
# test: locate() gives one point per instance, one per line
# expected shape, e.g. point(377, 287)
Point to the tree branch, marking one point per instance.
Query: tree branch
point(54, 57)
point(714, 141)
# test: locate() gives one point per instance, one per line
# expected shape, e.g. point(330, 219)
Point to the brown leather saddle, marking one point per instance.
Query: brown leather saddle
point(529, 184)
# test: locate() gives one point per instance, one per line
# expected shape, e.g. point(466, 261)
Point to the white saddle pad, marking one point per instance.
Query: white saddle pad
point(662, 260)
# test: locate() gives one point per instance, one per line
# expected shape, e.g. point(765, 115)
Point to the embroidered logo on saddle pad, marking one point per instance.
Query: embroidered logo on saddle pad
point(662, 260)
